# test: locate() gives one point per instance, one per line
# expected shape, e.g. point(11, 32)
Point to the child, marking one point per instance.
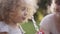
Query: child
point(13, 12)
point(51, 23)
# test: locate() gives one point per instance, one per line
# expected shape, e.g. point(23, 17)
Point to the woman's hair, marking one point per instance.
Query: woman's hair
point(10, 9)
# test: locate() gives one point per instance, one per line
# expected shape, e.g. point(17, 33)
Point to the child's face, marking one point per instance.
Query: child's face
point(23, 13)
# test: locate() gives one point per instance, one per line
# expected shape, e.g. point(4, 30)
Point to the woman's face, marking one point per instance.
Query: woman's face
point(57, 8)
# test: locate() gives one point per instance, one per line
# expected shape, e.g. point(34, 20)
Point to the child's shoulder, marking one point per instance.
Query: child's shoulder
point(3, 27)
point(3, 23)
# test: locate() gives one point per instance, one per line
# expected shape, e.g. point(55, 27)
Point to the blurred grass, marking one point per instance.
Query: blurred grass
point(29, 28)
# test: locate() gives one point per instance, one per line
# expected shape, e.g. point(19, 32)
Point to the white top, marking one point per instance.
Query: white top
point(6, 28)
point(48, 25)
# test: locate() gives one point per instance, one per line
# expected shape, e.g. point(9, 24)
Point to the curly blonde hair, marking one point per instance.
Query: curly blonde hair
point(9, 10)
point(32, 7)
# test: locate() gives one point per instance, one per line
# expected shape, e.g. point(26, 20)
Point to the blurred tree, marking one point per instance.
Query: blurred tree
point(42, 11)
point(43, 4)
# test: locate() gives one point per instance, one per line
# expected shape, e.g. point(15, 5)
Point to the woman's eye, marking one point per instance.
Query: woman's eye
point(57, 2)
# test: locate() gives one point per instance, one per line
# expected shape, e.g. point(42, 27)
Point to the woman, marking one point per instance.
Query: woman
point(13, 12)
point(50, 24)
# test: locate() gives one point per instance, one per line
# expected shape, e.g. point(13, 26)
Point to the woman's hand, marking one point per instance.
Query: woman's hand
point(3, 33)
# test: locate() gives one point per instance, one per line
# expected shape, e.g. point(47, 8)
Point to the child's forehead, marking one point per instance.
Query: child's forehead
point(23, 6)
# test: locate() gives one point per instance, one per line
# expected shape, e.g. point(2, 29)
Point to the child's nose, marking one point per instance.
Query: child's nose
point(25, 13)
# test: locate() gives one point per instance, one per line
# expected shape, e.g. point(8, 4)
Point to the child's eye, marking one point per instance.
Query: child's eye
point(23, 9)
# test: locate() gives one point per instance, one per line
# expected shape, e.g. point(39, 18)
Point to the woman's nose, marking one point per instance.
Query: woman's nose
point(57, 7)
